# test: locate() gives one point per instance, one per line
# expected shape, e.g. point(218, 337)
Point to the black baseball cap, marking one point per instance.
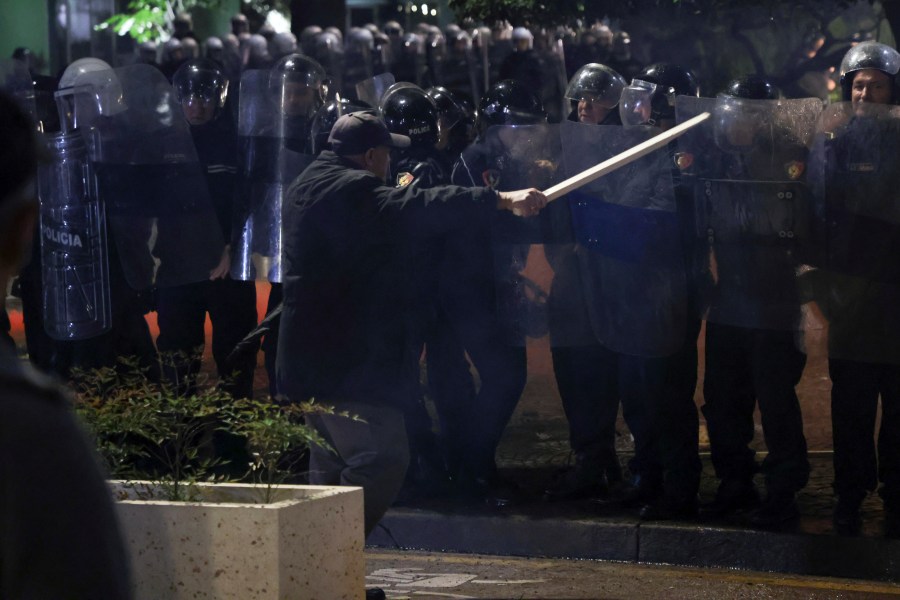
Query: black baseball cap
point(356, 132)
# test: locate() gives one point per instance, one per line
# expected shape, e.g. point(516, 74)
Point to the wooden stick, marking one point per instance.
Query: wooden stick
point(623, 158)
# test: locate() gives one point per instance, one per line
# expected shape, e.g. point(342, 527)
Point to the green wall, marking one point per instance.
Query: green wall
point(24, 23)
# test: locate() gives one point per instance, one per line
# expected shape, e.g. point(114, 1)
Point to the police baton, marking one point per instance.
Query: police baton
point(622, 159)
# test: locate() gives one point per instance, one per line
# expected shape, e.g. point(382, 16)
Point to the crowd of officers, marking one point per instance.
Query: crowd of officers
point(772, 205)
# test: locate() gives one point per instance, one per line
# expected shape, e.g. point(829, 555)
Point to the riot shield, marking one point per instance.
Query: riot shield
point(160, 216)
point(357, 69)
point(747, 169)
point(520, 157)
point(275, 146)
point(371, 90)
point(74, 259)
point(855, 275)
point(630, 258)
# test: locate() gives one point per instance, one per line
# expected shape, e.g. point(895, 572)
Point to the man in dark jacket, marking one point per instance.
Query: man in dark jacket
point(59, 531)
point(348, 299)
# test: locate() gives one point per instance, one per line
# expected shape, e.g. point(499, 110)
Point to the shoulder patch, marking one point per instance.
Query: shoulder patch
point(683, 160)
point(404, 179)
point(795, 169)
point(491, 178)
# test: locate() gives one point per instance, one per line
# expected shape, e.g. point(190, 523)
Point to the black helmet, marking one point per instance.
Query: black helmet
point(409, 111)
point(597, 82)
point(752, 87)
point(202, 78)
point(325, 119)
point(299, 69)
point(509, 102)
point(651, 95)
point(448, 107)
point(868, 55)
point(743, 115)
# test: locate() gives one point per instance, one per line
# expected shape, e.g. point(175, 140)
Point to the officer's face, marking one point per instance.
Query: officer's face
point(197, 110)
point(297, 99)
point(870, 86)
point(589, 111)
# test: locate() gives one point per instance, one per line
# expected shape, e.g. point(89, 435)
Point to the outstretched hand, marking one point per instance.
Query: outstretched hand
point(523, 203)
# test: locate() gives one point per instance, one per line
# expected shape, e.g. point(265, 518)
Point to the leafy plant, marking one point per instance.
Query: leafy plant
point(151, 20)
point(277, 438)
point(164, 432)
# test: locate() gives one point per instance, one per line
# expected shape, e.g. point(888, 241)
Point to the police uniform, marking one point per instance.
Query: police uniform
point(753, 311)
point(860, 296)
point(231, 303)
point(469, 297)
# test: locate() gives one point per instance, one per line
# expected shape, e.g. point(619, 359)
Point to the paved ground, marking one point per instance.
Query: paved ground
point(437, 575)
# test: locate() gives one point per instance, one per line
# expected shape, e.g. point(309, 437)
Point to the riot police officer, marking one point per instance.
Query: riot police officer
point(650, 100)
point(584, 387)
point(856, 179)
point(201, 88)
point(594, 91)
point(277, 109)
point(408, 110)
point(752, 208)
point(469, 297)
point(455, 124)
point(129, 335)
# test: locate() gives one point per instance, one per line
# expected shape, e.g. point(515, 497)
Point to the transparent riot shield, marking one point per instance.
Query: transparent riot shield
point(275, 146)
point(630, 259)
point(854, 276)
point(371, 90)
point(747, 169)
point(74, 258)
point(522, 157)
point(159, 213)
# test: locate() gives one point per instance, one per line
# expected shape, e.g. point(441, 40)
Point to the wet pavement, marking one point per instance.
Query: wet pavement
point(535, 447)
point(409, 575)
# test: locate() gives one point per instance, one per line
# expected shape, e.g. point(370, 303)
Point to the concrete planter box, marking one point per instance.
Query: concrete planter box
point(309, 544)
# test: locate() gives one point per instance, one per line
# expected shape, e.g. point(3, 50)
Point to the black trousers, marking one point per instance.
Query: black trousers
point(855, 390)
point(678, 421)
point(231, 306)
point(592, 380)
point(472, 425)
point(745, 367)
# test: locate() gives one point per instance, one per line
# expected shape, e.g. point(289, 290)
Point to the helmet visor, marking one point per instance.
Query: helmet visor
point(635, 106)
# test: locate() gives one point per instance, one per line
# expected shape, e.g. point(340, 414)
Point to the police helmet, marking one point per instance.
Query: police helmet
point(409, 111)
point(393, 28)
point(88, 88)
point(651, 95)
point(741, 117)
point(868, 55)
point(360, 39)
point(509, 102)
point(598, 83)
point(449, 108)
point(203, 79)
point(299, 69)
point(752, 87)
point(283, 43)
